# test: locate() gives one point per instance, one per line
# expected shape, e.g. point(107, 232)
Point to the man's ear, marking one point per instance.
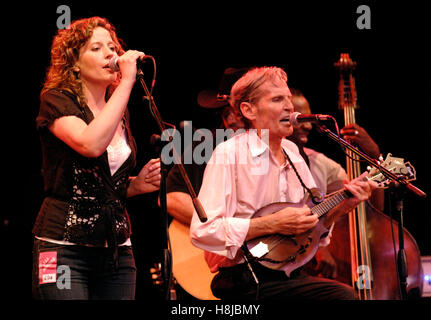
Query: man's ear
point(248, 110)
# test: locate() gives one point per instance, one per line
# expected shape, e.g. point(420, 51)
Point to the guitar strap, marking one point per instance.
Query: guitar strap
point(314, 193)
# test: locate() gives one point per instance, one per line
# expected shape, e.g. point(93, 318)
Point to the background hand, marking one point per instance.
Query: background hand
point(355, 134)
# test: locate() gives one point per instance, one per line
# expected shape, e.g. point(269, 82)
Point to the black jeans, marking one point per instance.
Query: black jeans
point(237, 283)
point(64, 272)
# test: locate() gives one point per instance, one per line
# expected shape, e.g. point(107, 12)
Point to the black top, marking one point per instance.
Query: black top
point(195, 171)
point(175, 182)
point(83, 203)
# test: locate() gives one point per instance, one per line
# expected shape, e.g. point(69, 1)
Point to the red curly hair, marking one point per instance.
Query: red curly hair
point(65, 53)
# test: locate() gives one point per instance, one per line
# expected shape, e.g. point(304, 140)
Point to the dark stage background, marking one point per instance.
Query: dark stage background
point(192, 45)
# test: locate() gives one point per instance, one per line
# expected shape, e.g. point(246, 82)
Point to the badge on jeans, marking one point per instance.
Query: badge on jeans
point(47, 267)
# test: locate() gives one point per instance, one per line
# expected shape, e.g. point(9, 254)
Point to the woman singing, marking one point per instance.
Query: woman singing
point(88, 154)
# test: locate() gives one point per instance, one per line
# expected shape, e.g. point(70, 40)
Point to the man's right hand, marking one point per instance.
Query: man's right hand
point(294, 220)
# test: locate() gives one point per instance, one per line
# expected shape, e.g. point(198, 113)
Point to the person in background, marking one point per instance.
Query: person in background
point(179, 202)
point(328, 174)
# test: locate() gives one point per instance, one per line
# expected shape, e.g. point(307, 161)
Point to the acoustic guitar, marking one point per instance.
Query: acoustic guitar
point(188, 263)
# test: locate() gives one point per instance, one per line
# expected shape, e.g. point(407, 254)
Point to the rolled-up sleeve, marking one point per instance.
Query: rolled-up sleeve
point(222, 233)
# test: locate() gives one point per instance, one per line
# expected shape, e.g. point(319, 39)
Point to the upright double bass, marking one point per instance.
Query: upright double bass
point(365, 242)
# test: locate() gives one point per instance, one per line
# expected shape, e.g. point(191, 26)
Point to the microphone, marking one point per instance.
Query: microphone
point(113, 63)
point(297, 118)
point(155, 139)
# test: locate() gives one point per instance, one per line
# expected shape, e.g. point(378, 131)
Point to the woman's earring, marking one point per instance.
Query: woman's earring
point(76, 71)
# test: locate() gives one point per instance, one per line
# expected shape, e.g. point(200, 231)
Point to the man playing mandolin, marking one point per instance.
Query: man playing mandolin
point(253, 170)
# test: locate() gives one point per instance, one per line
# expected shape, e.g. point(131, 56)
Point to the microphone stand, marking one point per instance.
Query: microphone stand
point(388, 174)
point(167, 256)
point(398, 192)
point(177, 158)
point(401, 185)
point(166, 264)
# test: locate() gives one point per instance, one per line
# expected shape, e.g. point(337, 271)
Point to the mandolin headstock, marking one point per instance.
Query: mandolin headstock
point(395, 165)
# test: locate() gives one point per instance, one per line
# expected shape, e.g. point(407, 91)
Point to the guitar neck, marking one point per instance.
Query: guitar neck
point(323, 208)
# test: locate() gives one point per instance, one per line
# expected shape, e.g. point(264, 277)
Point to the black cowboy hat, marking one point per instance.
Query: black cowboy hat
point(212, 99)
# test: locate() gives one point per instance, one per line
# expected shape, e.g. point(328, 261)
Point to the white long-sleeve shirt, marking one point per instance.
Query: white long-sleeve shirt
point(241, 177)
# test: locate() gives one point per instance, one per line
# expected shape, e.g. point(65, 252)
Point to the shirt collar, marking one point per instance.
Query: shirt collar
point(256, 145)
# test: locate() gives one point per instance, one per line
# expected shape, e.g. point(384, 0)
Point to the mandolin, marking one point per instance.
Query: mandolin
point(289, 252)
